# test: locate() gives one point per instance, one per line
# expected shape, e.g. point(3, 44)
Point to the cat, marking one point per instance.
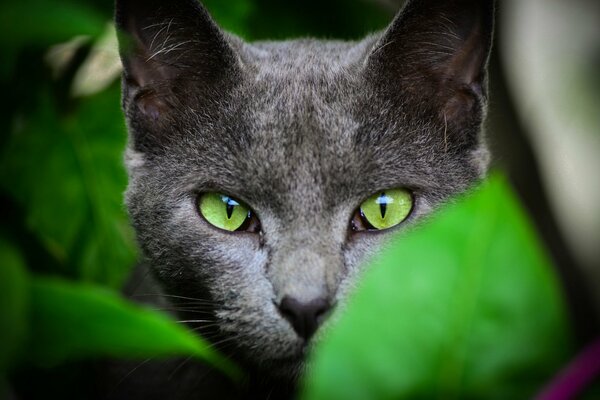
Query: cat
point(261, 175)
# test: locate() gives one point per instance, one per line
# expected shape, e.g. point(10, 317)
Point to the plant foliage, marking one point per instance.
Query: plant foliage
point(464, 307)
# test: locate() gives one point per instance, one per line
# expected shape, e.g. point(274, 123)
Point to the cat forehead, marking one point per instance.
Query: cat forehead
point(299, 100)
point(303, 149)
point(303, 118)
point(303, 57)
point(304, 95)
point(303, 74)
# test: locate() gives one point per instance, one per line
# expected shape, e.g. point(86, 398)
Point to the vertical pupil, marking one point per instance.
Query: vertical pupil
point(382, 204)
point(230, 208)
point(229, 205)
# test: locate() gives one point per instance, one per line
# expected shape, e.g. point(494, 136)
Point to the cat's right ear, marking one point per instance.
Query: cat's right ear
point(437, 52)
point(169, 49)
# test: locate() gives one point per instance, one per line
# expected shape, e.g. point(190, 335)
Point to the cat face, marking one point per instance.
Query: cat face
point(299, 134)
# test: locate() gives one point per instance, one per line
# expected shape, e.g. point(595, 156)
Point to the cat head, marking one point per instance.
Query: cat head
point(259, 173)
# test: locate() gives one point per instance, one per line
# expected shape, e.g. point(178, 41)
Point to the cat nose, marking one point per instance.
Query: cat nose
point(305, 317)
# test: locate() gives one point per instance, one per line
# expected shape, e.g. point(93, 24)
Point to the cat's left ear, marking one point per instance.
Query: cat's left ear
point(437, 50)
point(168, 47)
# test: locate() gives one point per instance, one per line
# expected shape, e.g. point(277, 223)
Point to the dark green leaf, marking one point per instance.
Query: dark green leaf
point(75, 321)
point(45, 22)
point(232, 15)
point(65, 170)
point(14, 305)
point(275, 19)
point(464, 307)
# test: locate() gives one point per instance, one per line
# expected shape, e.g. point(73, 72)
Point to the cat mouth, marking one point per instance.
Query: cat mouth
point(299, 357)
point(290, 368)
point(288, 365)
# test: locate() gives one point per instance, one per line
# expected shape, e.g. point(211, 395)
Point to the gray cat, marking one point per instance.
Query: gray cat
point(262, 174)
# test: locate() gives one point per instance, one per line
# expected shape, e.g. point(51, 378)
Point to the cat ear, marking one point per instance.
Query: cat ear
point(166, 46)
point(438, 49)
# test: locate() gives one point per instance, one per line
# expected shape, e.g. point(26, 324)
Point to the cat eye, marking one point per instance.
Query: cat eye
point(383, 210)
point(227, 213)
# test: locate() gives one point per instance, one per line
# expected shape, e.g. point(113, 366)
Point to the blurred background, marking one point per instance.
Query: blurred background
point(63, 134)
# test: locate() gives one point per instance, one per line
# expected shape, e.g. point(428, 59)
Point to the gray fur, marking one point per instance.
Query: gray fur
point(302, 131)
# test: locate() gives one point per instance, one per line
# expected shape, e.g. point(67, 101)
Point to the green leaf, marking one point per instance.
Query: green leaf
point(275, 19)
point(14, 305)
point(45, 22)
point(64, 168)
point(232, 15)
point(465, 307)
point(77, 321)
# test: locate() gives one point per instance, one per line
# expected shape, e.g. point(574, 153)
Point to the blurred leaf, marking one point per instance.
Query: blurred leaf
point(464, 307)
point(14, 305)
point(37, 24)
point(65, 170)
point(60, 57)
point(45, 22)
point(340, 19)
point(75, 321)
point(231, 15)
point(102, 66)
point(274, 19)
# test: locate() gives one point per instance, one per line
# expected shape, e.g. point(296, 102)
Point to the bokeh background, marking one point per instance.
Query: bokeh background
point(62, 133)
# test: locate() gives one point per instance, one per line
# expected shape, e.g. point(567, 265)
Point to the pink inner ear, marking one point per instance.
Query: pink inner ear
point(466, 65)
point(459, 106)
point(462, 76)
point(151, 105)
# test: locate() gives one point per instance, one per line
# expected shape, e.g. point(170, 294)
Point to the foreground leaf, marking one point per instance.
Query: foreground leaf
point(72, 322)
point(14, 301)
point(465, 307)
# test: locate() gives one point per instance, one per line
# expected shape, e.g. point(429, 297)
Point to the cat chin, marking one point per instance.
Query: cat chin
point(281, 365)
point(289, 370)
point(269, 365)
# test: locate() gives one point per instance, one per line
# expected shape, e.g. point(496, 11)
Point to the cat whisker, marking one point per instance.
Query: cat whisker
point(190, 321)
point(204, 327)
point(206, 335)
point(191, 303)
point(218, 345)
point(182, 309)
point(172, 296)
point(124, 378)
point(179, 367)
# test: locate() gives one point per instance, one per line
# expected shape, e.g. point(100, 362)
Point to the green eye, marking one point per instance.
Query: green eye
point(383, 210)
point(226, 213)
